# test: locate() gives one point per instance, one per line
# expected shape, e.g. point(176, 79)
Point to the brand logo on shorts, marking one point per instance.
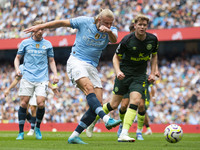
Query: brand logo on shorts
point(116, 89)
point(149, 46)
point(77, 73)
point(37, 45)
point(97, 36)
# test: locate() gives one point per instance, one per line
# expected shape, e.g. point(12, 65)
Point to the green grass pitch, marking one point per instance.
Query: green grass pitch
point(100, 141)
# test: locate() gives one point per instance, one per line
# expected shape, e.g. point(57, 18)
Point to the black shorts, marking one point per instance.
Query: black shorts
point(130, 84)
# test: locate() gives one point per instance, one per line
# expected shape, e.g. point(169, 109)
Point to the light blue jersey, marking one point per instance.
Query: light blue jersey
point(36, 55)
point(89, 42)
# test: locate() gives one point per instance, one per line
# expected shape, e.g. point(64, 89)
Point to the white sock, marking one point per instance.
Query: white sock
point(74, 134)
point(139, 131)
point(106, 118)
point(124, 132)
point(94, 122)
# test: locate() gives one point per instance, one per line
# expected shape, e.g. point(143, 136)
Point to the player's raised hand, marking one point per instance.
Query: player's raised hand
point(33, 28)
point(120, 75)
point(104, 29)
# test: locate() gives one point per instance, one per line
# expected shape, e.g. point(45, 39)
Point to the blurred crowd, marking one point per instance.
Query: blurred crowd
point(16, 15)
point(177, 98)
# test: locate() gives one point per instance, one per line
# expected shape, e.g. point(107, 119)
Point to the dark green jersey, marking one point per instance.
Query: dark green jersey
point(136, 53)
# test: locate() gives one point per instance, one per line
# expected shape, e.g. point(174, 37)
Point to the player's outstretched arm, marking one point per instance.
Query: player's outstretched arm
point(53, 69)
point(153, 68)
point(157, 73)
point(16, 64)
point(112, 37)
point(116, 61)
point(51, 24)
point(12, 85)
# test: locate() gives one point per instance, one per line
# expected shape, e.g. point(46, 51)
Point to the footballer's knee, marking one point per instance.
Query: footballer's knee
point(88, 88)
point(124, 104)
point(123, 107)
point(41, 104)
point(24, 101)
point(141, 107)
point(114, 105)
point(33, 110)
point(23, 104)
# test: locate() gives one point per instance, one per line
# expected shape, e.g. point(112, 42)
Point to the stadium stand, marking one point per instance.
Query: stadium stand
point(16, 16)
point(177, 98)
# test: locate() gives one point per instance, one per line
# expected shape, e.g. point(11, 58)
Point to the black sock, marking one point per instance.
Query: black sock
point(86, 120)
point(147, 125)
point(28, 117)
point(22, 118)
point(95, 105)
point(32, 121)
point(122, 112)
point(109, 107)
point(134, 107)
point(39, 116)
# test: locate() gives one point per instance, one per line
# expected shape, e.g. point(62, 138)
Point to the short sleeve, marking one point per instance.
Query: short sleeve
point(21, 49)
point(50, 52)
point(78, 22)
point(121, 47)
point(155, 50)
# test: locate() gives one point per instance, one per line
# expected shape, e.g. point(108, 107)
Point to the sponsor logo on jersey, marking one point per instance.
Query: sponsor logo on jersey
point(140, 59)
point(103, 36)
point(37, 45)
point(43, 47)
point(97, 36)
point(141, 55)
point(149, 46)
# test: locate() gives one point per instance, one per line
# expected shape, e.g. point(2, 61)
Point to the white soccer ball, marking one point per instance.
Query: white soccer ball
point(54, 130)
point(173, 133)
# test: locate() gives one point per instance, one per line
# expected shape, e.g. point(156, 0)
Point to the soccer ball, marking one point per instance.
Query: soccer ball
point(173, 133)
